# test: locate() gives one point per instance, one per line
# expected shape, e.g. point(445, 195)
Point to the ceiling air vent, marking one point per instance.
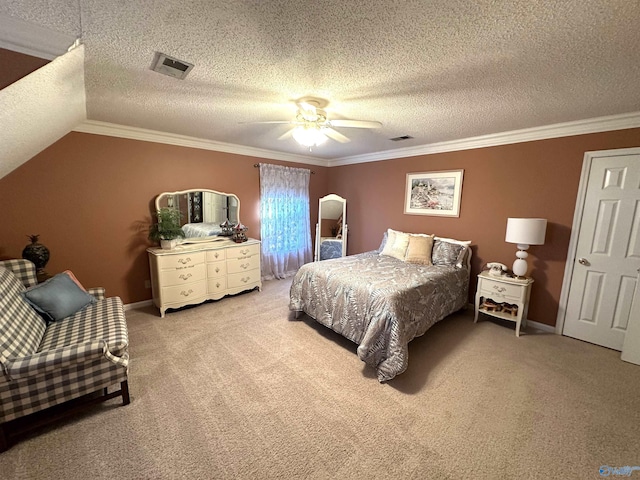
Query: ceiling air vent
point(401, 138)
point(171, 66)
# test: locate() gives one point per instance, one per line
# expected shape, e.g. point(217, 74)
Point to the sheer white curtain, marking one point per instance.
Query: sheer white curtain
point(285, 229)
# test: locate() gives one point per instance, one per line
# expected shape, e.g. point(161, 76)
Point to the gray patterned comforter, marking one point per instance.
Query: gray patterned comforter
point(379, 302)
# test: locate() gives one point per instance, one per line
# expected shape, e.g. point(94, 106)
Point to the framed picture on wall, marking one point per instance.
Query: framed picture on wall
point(433, 193)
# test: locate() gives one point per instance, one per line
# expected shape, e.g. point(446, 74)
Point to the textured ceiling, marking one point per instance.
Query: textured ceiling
point(434, 70)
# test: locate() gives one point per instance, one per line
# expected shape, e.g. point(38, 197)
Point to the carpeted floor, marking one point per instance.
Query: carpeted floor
point(239, 389)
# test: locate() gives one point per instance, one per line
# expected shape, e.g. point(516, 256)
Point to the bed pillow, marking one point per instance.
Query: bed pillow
point(58, 297)
point(447, 252)
point(396, 245)
point(383, 242)
point(419, 249)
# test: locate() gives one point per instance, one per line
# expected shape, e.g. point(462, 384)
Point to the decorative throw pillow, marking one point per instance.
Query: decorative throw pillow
point(75, 280)
point(396, 245)
point(58, 297)
point(419, 249)
point(446, 253)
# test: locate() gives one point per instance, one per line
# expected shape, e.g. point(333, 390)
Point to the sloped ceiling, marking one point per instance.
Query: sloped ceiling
point(438, 71)
point(41, 108)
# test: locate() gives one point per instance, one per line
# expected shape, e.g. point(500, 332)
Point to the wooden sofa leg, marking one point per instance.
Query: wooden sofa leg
point(4, 444)
point(124, 387)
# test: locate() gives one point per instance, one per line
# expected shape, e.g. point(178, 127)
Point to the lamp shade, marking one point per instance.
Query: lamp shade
point(526, 231)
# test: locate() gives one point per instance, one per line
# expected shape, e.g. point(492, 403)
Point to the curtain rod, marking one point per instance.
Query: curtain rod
point(256, 165)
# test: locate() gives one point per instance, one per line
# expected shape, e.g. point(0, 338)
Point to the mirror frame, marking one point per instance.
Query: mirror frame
point(192, 190)
point(326, 198)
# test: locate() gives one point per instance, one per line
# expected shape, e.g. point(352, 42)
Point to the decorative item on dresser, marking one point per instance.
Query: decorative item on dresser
point(240, 233)
point(209, 264)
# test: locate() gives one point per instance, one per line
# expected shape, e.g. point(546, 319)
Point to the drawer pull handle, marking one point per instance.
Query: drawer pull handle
point(218, 285)
point(245, 265)
point(184, 261)
point(216, 254)
point(186, 294)
point(244, 252)
point(185, 277)
point(217, 269)
point(499, 289)
point(245, 279)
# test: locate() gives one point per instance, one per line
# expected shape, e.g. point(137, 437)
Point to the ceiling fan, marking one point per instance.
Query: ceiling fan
point(311, 126)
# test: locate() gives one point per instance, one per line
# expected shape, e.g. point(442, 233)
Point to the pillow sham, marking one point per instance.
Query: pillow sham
point(396, 245)
point(58, 297)
point(419, 249)
point(447, 253)
point(383, 242)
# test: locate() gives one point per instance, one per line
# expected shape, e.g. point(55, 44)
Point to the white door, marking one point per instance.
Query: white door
point(631, 347)
point(607, 255)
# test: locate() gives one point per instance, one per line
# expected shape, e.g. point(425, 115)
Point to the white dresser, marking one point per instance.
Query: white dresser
point(191, 274)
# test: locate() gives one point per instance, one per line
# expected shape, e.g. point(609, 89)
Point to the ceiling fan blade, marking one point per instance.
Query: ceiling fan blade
point(286, 134)
point(355, 124)
point(274, 121)
point(337, 136)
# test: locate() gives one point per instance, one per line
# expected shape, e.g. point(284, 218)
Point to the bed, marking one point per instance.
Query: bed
point(381, 301)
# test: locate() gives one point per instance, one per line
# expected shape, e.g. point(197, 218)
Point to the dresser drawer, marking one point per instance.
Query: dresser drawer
point(216, 269)
point(499, 291)
point(182, 275)
point(243, 279)
point(180, 261)
point(217, 285)
point(183, 293)
point(243, 251)
point(245, 264)
point(216, 255)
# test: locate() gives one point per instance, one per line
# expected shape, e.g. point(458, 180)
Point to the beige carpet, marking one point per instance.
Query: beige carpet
point(238, 389)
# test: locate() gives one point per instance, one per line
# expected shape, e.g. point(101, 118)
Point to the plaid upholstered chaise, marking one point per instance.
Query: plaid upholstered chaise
point(48, 364)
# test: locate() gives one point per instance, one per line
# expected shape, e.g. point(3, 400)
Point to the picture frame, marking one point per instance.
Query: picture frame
point(434, 193)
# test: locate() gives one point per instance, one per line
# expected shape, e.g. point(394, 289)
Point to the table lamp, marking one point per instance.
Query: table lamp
point(525, 232)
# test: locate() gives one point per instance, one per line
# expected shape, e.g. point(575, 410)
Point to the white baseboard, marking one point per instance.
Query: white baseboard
point(541, 326)
point(144, 303)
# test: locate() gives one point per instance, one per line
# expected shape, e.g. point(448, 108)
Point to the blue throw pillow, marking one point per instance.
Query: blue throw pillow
point(58, 297)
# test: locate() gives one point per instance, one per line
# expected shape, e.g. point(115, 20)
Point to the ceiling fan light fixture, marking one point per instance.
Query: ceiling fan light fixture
point(309, 135)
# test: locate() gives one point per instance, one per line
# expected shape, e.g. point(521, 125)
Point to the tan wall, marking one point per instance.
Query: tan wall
point(16, 65)
point(533, 179)
point(91, 197)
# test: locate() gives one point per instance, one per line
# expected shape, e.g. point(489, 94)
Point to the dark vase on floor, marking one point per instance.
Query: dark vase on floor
point(38, 254)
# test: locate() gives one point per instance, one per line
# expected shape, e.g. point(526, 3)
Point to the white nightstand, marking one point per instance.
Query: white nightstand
point(497, 296)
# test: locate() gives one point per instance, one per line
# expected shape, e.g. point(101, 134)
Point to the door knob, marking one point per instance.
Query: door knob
point(584, 261)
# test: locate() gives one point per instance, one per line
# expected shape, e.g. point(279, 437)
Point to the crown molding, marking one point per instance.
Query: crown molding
point(580, 127)
point(30, 39)
point(135, 133)
point(566, 129)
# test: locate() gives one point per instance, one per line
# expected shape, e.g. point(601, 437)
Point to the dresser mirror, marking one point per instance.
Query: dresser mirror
point(331, 229)
point(202, 211)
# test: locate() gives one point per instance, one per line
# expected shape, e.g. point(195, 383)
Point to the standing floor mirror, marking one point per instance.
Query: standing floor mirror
point(331, 229)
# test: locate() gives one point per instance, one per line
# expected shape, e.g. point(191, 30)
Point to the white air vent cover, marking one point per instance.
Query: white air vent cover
point(171, 66)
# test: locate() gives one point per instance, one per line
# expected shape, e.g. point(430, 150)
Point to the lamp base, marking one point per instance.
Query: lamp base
point(520, 267)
